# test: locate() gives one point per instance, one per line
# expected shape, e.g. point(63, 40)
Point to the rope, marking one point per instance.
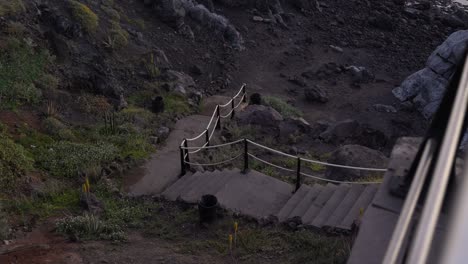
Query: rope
point(239, 92)
point(228, 115)
point(315, 161)
point(195, 138)
point(213, 164)
point(271, 164)
point(198, 148)
point(270, 149)
point(334, 181)
point(212, 117)
point(342, 166)
point(216, 146)
point(214, 129)
point(226, 104)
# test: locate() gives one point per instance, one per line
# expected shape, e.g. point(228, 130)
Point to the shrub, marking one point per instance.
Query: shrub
point(85, 16)
point(4, 225)
point(95, 105)
point(112, 13)
point(54, 127)
point(15, 28)
point(140, 23)
point(66, 159)
point(20, 67)
point(119, 36)
point(89, 227)
point(47, 82)
point(285, 109)
point(11, 7)
point(14, 161)
point(176, 104)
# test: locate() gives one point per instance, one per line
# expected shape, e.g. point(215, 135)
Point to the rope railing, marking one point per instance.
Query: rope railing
point(216, 120)
point(216, 117)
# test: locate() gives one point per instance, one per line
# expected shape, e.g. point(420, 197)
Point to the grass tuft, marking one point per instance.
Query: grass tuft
point(85, 16)
point(285, 109)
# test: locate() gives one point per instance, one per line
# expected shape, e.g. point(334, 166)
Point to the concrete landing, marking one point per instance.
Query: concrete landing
point(163, 168)
point(253, 194)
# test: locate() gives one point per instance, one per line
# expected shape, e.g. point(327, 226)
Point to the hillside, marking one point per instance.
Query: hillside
point(90, 89)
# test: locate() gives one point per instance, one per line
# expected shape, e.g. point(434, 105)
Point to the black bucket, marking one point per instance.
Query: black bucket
point(207, 208)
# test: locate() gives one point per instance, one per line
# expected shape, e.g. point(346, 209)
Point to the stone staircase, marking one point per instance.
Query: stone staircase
point(333, 208)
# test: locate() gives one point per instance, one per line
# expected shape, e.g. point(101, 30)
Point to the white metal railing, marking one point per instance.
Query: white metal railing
point(434, 168)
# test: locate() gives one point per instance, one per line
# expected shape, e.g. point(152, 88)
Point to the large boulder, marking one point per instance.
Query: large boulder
point(357, 156)
point(293, 126)
point(426, 88)
point(340, 131)
point(262, 116)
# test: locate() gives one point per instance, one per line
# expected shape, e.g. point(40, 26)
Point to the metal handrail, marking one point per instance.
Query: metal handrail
point(425, 231)
point(403, 224)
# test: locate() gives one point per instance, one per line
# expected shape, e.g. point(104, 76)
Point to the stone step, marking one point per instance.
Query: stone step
point(293, 202)
point(187, 185)
point(330, 206)
point(219, 180)
point(318, 203)
point(173, 191)
point(344, 207)
point(361, 204)
point(192, 192)
point(307, 201)
point(254, 194)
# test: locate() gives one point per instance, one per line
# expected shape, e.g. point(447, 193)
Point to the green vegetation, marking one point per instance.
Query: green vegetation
point(112, 13)
point(56, 128)
point(285, 109)
point(118, 37)
point(20, 66)
point(11, 7)
point(15, 29)
point(14, 161)
point(176, 104)
point(151, 68)
point(89, 227)
point(67, 159)
point(47, 82)
point(4, 225)
point(140, 23)
point(85, 16)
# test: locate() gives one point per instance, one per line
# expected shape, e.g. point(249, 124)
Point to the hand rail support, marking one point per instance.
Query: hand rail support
point(233, 106)
point(246, 156)
point(186, 155)
point(298, 175)
point(218, 118)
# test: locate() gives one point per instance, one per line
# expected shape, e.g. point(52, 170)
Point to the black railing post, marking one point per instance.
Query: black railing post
point(182, 161)
point(207, 137)
point(232, 108)
point(245, 94)
point(298, 176)
point(218, 117)
point(246, 155)
point(186, 155)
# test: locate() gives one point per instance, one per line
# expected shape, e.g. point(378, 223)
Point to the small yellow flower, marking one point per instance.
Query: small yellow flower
point(230, 242)
point(236, 225)
point(87, 184)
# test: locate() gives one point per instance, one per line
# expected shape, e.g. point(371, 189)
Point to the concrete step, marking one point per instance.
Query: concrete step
point(172, 192)
point(292, 203)
point(219, 180)
point(254, 194)
point(330, 206)
point(361, 204)
point(188, 185)
point(197, 188)
point(344, 207)
point(306, 202)
point(318, 203)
